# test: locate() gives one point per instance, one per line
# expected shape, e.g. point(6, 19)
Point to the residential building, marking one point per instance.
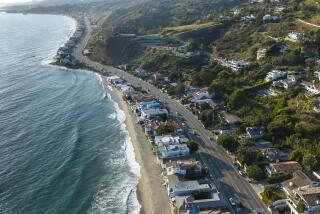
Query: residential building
point(248, 18)
point(277, 155)
point(283, 168)
point(261, 53)
point(290, 82)
point(312, 88)
point(316, 107)
point(296, 37)
point(189, 204)
point(255, 132)
point(298, 180)
point(139, 71)
point(153, 113)
point(166, 140)
point(317, 74)
point(171, 151)
point(275, 75)
point(269, 17)
point(231, 119)
point(202, 96)
point(186, 188)
point(180, 167)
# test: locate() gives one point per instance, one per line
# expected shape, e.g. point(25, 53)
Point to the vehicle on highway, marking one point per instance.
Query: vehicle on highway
point(232, 202)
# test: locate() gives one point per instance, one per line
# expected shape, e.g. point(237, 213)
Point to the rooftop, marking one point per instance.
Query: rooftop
point(288, 165)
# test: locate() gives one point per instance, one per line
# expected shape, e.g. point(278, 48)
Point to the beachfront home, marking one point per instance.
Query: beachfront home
point(255, 132)
point(185, 188)
point(275, 75)
point(283, 168)
point(166, 140)
point(214, 203)
point(153, 113)
point(181, 167)
point(171, 151)
point(312, 88)
point(149, 110)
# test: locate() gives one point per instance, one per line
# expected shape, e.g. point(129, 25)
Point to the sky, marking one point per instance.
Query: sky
point(12, 1)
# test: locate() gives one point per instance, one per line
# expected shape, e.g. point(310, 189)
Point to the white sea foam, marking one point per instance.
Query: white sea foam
point(128, 186)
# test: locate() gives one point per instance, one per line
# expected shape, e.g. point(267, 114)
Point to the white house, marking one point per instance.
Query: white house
point(201, 96)
point(139, 71)
point(171, 151)
point(257, 1)
point(248, 18)
point(269, 17)
point(181, 166)
point(275, 75)
point(296, 37)
point(166, 140)
point(261, 53)
point(184, 188)
point(150, 113)
point(317, 74)
point(312, 88)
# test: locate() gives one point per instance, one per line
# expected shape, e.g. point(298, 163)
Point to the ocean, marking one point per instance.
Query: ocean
point(64, 147)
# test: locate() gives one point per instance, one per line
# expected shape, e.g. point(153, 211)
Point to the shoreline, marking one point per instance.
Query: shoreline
point(150, 181)
point(151, 195)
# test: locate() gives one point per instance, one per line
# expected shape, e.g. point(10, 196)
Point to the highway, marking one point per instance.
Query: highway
point(226, 176)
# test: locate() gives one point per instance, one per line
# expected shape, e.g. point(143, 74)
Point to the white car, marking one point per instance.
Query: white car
point(232, 202)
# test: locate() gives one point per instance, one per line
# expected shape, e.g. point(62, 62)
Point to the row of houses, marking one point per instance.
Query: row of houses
point(184, 177)
point(300, 189)
point(64, 55)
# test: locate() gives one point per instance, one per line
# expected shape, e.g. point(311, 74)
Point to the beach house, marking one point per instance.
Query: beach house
point(190, 204)
point(172, 151)
point(180, 167)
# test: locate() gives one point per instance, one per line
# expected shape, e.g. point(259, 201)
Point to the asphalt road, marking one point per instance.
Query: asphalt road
point(229, 181)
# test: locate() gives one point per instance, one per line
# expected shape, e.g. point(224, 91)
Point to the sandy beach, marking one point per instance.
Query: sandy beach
point(151, 194)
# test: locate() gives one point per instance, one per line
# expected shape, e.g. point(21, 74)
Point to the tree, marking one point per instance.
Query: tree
point(255, 172)
point(278, 178)
point(228, 142)
point(163, 129)
point(248, 156)
point(309, 162)
point(207, 117)
point(193, 146)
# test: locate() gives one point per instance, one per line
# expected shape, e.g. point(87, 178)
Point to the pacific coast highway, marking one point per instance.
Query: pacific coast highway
point(222, 170)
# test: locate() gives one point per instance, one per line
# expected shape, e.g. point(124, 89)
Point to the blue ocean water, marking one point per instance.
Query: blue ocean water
point(63, 144)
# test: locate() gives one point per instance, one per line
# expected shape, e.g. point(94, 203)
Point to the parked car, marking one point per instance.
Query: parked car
point(232, 202)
